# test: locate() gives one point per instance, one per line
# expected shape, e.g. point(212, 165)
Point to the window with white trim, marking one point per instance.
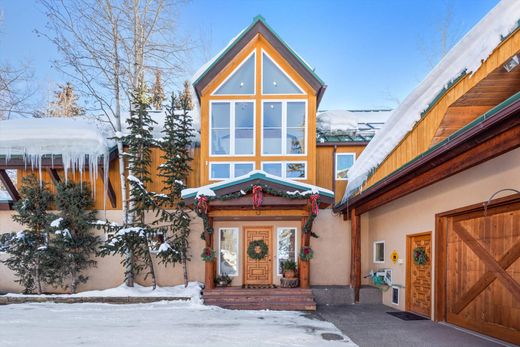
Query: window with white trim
point(379, 251)
point(223, 171)
point(232, 128)
point(284, 127)
point(296, 170)
point(344, 162)
point(241, 81)
point(228, 251)
point(275, 80)
point(286, 247)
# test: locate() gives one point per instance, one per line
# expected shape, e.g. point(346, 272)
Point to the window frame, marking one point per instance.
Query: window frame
point(375, 253)
point(284, 128)
point(237, 231)
point(232, 127)
point(233, 72)
point(296, 250)
point(231, 168)
point(336, 164)
point(283, 71)
point(284, 168)
point(398, 295)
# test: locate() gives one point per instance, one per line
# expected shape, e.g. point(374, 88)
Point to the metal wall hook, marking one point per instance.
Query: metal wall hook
point(486, 204)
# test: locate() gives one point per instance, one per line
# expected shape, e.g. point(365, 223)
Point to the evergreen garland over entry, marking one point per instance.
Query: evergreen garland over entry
point(252, 249)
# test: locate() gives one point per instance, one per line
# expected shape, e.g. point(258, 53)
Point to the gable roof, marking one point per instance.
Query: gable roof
point(209, 70)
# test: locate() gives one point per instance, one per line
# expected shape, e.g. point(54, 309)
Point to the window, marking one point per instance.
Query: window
point(232, 128)
point(395, 295)
point(284, 127)
point(228, 251)
point(379, 252)
point(274, 80)
point(344, 162)
point(222, 171)
point(292, 170)
point(286, 246)
point(241, 81)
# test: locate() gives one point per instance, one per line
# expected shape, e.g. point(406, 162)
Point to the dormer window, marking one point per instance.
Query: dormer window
point(241, 81)
point(275, 81)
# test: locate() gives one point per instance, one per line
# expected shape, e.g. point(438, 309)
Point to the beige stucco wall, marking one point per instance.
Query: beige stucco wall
point(109, 272)
point(415, 213)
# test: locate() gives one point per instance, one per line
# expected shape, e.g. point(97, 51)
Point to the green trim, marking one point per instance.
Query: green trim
point(256, 19)
point(443, 92)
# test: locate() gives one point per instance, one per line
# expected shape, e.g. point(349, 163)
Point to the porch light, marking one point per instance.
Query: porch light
point(512, 63)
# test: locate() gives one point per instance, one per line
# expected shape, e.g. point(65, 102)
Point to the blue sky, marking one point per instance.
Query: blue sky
point(370, 53)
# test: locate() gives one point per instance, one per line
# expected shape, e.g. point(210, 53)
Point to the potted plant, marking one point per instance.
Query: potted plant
point(289, 268)
point(223, 280)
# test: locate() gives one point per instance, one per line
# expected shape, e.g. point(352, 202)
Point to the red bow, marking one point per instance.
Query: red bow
point(314, 203)
point(202, 204)
point(257, 196)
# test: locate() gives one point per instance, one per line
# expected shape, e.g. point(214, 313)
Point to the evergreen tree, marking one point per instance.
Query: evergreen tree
point(65, 103)
point(157, 91)
point(28, 249)
point(73, 241)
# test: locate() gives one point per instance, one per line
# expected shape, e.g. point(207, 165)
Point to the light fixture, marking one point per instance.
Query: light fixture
point(512, 63)
point(275, 83)
point(241, 84)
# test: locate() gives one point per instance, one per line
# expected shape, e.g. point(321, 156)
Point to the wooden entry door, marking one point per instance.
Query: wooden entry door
point(419, 277)
point(483, 271)
point(258, 272)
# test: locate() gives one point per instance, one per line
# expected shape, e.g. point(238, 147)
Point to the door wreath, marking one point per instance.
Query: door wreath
point(419, 256)
point(257, 249)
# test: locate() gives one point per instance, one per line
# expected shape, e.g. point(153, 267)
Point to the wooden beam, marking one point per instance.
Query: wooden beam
point(110, 189)
point(355, 254)
point(53, 173)
point(8, 184)
point(258, 213)
point(209, 268)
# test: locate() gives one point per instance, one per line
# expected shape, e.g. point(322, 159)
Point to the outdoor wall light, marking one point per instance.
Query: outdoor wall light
point(512, 63)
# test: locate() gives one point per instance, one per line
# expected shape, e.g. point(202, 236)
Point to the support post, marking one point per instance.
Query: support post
point(355, 254)
point(209, 270)
point(53, 173)
point(110, 189)
point(304, 266)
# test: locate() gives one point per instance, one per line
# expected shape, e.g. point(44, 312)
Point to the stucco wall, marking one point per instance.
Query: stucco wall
point(415, 213)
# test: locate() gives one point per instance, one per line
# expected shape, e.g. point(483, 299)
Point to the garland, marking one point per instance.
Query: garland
point(419, 256)
point(252, 249)
point(208, 255)
point(306, 253)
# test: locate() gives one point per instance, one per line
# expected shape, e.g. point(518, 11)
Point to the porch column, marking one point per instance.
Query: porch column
point(355, 253)
point(209, 270)
point(304, 266)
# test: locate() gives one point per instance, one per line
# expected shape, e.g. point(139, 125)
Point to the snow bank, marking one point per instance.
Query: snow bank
point(193, 291)
point(467, 55)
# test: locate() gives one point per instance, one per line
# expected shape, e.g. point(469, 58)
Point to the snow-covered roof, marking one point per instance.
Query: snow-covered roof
point(465, 57)
point(209, 190)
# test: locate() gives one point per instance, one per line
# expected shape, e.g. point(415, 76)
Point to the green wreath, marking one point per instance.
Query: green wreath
point(419, 256)
point(252, 249)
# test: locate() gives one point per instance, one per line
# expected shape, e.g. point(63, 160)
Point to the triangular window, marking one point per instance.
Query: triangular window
point(274, 80)
point(241, 81)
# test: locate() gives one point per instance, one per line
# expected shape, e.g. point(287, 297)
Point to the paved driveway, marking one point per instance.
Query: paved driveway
point(370, 325)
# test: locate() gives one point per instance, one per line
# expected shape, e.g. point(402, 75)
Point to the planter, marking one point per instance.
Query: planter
point(289, 274)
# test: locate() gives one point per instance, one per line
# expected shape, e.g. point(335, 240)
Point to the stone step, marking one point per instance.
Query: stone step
point(244, 299)
point(278, 306)
point(239, 291)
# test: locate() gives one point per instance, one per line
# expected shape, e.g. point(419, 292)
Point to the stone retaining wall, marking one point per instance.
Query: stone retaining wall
point(7, 300)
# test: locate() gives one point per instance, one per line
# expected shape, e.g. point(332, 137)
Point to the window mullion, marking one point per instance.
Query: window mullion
point(232, 128)
point(284, 128)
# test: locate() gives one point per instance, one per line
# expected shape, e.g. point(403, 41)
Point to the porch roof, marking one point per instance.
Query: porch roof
point(257, 177)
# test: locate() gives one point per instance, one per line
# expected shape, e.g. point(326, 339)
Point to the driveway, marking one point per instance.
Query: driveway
point(370, 325)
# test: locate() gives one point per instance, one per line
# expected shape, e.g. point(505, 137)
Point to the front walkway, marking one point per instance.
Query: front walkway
point(370, 325)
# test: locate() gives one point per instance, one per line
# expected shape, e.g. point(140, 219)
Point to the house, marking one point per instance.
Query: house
point(435, 196)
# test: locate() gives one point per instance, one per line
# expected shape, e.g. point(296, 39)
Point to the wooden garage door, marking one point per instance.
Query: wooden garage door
point(483, 271)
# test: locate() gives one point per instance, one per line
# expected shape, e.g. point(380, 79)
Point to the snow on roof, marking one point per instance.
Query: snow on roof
point(208, 190)
point(344, 120)
point(466, 56)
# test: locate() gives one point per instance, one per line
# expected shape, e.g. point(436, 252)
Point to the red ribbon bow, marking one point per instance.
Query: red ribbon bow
point(314, 203)
point(257, 196)
point(202, 204)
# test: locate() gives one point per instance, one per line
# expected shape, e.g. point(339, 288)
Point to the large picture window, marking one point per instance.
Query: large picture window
point(232, 128)
point(275, 80)
point(283, 127)
point(293, 170)
point(241, 81)
point(286, 246)
point(344, 162)
point(223, 171)
point(228, 251)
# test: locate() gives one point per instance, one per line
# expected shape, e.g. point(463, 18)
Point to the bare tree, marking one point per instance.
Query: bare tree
point(65, 103)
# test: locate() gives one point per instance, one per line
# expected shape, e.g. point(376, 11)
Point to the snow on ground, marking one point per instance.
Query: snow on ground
point(192, 291)
point(158, 324)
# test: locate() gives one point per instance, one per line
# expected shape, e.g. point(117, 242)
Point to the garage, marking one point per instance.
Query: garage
point(478, 262)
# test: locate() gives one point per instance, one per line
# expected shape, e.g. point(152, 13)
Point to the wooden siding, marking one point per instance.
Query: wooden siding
point(421, 137)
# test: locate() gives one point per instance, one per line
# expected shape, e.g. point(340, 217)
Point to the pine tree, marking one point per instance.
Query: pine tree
point(178, 133)
point(28, 249)
point(65, 103)
point(73, 241)
point(157, 91)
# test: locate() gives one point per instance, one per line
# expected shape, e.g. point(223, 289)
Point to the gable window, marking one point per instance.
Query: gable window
point(291, 170)
point(241, 81)
point(344, 162)
point(223, 171)
point(232, 128)
point(275, 80)
point(379, 251)
point(286, 247)
point(283, 127)
point(228, 251)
